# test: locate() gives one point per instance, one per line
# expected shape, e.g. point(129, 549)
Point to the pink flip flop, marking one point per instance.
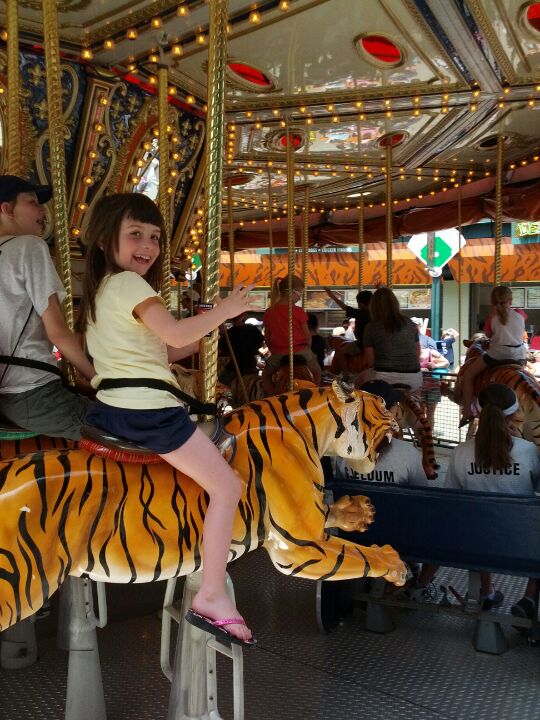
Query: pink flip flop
point(217, 629)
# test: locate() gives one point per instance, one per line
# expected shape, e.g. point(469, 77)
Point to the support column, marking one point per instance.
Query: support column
point(164, 172)
point(217, 59)
point(56, 150)
point(14, 155)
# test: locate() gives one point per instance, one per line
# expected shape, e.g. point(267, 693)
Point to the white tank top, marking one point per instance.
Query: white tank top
point(507, 340)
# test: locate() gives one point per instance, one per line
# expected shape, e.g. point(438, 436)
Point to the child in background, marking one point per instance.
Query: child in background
point(276, 331)
point(31, 320)
point(130, 334)
point(505, 327)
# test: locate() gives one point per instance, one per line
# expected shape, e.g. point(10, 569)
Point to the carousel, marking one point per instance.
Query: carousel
point(353, 145)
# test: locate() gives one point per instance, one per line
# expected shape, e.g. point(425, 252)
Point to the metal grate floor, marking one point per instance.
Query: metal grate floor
point(425, 669)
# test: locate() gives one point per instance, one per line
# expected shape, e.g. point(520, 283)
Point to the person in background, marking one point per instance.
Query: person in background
point(318, 343)
point(446, 345)
point(398, 462)
point(505, 327)
point(535, 341)
point(349, 330)
point(430, 361)
point(276, 331)
point(424, 340)
point(335, 341)
point(32, 321)
point(246, 339)
point(360, 314)
point(494, 461)
point(391, 346)
point(187, 296)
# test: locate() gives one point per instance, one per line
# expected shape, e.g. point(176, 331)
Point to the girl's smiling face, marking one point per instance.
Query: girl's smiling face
point(138, 246)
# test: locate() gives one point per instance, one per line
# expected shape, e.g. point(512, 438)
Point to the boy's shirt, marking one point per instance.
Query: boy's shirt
point(28, 278)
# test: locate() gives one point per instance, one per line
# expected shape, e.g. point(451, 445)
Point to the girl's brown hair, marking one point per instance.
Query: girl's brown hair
point(384, 308)
point(493, 440)
point(281, 286)
point(500, 295)
point(102, 236)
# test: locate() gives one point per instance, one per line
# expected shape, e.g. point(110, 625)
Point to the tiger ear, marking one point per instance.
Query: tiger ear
point(343, 390)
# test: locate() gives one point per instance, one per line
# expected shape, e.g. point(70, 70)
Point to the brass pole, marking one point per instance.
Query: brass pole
point(498, 209)
point(14, 155)
point(164, 174)
point(460, 267)
point(270, 231)
point(56, 151)
point(361, 246)
point(217, 58)
point(389, 227)
point(305, 242)
point(231, 233)
point(290, 243)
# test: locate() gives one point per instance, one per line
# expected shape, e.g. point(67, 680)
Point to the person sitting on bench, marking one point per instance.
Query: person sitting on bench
point(494, 461)
point(398, 462)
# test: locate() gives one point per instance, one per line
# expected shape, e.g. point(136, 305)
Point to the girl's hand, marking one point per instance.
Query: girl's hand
point(238, 302)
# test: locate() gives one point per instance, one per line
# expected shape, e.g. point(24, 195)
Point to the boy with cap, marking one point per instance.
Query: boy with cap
point(31, 320)
point(398, 462)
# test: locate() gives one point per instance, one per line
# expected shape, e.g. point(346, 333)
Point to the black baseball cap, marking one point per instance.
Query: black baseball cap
point(387, 392)
point(11, 186)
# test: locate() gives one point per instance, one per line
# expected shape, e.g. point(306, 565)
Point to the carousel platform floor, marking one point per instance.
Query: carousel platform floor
point(426, 669)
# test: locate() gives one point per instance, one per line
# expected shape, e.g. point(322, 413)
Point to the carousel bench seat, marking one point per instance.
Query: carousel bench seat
point(470, 530)
point(8, 431)
point(104, 444)
point(101, 443)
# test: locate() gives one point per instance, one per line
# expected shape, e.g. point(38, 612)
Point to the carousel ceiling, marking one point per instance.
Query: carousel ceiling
point(438, 80)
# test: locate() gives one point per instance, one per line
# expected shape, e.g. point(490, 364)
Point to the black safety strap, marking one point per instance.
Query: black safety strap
point(10, 359)
point(26, 362)
point(196, 407)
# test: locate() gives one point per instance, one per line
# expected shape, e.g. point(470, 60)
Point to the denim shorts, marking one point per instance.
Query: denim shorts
point(161, 431)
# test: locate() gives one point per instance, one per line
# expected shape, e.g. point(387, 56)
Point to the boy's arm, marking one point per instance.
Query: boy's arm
point(336, 298)
point(60, 335)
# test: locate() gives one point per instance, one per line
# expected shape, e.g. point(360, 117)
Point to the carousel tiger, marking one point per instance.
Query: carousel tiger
point(521, 381)
point(70, 512)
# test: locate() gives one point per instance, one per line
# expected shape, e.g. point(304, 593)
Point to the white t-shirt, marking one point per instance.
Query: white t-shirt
point(28, 278)
point(123, 347)
point(398, 463)
point(521, 477)
point(507, 340)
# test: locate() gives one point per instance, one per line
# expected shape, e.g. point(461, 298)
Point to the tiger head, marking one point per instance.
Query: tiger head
point(365, 424)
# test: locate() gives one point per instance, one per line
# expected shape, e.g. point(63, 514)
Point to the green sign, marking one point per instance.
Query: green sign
point(442, 252)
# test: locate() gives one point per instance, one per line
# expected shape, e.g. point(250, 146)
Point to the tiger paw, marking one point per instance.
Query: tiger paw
point(351, 514)
point(385, 562)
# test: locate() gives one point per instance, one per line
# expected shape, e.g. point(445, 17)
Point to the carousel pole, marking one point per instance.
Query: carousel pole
point(231, 233)
point(164, 196)
point(498, 209)
point(57, 156)
point(270, 233)
point(290, 243)
point(14, 157)
point(361, 246)
point(305, 243)
point(389, 226)
point(217, 58)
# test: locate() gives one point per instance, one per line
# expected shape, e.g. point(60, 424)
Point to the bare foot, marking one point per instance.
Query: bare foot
point(221, 607)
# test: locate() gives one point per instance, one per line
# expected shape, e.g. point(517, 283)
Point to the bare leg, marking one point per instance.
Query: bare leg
point(473, 369)
point(201, 460)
